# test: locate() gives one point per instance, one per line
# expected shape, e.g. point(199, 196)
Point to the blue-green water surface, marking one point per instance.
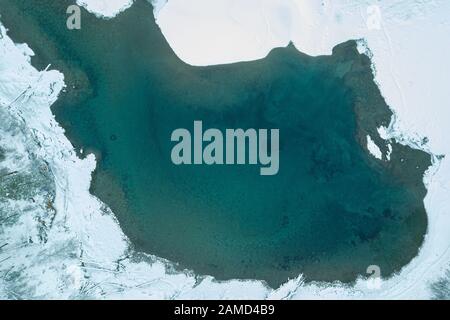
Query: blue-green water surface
point(330, 212)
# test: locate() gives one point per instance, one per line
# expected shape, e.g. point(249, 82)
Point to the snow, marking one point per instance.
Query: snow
point(87, 255)
point(105, 8)
point(373, 148)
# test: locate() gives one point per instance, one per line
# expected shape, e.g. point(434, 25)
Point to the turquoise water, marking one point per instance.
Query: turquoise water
point(331, 211)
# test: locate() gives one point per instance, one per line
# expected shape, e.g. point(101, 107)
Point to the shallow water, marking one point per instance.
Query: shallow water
point(331, 211)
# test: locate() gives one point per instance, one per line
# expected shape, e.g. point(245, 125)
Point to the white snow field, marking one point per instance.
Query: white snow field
point(84, 253)
point(105, 8)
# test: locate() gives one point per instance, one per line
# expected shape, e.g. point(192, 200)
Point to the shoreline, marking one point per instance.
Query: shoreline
point(395, 22)
point(88, 164)
point(327, 261)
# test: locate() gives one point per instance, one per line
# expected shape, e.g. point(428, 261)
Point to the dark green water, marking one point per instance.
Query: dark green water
point(331, 211)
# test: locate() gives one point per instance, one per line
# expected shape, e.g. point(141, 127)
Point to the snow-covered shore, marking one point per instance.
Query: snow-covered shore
point(86, 254)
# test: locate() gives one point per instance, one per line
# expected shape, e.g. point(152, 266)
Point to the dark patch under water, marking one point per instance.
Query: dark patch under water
point(331, 211)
